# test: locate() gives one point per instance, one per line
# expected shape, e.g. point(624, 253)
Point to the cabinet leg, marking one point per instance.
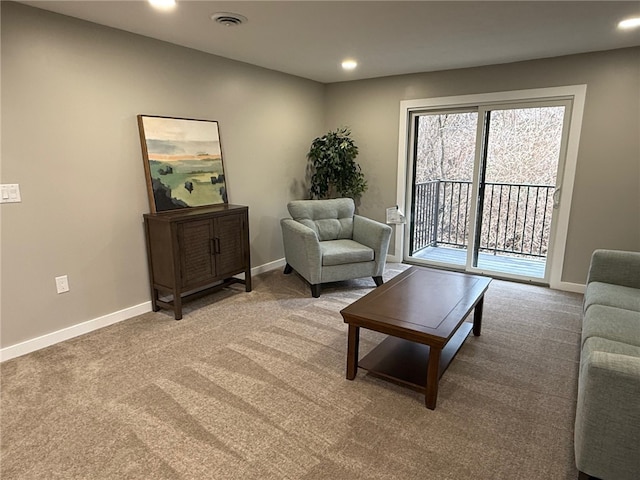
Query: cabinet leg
point(177, 305)
point(247, 280)
point(154, 300)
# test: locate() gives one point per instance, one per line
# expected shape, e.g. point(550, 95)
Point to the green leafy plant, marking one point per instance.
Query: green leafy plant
point(333, 167)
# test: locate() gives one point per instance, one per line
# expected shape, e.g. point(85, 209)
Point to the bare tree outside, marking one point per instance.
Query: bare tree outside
point(445, 149)
point(524, 145)
point(521, 168)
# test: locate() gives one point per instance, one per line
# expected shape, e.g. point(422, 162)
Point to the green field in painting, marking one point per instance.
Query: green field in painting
point(197, 172)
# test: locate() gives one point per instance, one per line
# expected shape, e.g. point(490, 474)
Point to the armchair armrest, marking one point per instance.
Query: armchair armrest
point(616, 267)
point(302, 250)
point(374, 235)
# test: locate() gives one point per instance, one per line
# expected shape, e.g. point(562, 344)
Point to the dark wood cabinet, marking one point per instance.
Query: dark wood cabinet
point(194, 252)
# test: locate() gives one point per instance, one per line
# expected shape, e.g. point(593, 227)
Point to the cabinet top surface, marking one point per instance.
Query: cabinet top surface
point(194, 212)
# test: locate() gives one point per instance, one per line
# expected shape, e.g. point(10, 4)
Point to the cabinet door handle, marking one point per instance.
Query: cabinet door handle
point(216, 243)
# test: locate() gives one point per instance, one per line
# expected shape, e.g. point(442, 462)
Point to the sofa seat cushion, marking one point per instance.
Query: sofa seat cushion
point(599, 293)
point(338, 252)
point(611, 323)
point(599, 344)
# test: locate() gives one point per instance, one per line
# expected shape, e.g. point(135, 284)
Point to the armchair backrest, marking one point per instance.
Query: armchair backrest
point(330, 219)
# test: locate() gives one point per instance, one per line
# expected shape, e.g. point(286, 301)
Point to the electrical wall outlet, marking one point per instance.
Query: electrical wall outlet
point(62, 284)
point(10, 193)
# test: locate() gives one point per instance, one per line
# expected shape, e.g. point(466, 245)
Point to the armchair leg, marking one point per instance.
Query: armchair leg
point(287, 269)
point(315, 290)
point(378, 280)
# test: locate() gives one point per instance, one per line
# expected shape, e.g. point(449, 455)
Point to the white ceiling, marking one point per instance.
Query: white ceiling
point(311, 38)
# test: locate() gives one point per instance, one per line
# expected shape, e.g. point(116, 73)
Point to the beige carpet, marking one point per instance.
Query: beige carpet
point(252, 386)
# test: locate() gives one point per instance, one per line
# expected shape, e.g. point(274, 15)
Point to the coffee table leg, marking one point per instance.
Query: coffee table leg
point(477, 317)
point(352, 351)
point(433, 370)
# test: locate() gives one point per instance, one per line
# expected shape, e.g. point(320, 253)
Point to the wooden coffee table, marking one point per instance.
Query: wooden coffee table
point(423, 311)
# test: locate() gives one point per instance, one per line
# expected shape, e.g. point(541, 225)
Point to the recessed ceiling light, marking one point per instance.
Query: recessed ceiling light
point(228, 19)
point(629, 23)
point(163, 4)
point(349, 64)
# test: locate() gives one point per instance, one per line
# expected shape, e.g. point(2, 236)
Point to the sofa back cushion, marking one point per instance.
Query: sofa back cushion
point(330, 219)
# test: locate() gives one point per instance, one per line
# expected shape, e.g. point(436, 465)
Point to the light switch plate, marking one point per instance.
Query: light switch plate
point(10, 193)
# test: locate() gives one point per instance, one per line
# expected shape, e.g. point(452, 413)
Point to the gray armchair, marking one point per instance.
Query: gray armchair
point(325, 241)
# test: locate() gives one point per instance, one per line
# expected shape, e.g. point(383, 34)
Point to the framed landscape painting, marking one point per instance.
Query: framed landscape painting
point(182, 162)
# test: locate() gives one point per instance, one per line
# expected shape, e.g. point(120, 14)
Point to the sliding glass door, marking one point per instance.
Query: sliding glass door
point(443, 164)
point(483, 187)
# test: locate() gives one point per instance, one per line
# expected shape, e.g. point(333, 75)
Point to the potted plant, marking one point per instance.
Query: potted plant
point(334, 171)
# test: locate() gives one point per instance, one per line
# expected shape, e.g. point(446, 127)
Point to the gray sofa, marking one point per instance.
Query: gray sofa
point(325, 241)
point(607, 426)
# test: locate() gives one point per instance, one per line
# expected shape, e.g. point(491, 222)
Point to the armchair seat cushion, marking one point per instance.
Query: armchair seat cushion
point(339, 252)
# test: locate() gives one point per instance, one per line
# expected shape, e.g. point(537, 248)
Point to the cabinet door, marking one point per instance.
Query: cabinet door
point(198, 263)
point(230, 236)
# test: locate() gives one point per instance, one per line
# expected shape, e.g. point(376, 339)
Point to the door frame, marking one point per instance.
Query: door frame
point(575, 93)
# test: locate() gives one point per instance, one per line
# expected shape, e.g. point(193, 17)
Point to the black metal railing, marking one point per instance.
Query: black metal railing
point(516, 218)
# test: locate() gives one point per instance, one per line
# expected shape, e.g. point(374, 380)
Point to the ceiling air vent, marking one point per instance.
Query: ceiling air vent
point(228, 19)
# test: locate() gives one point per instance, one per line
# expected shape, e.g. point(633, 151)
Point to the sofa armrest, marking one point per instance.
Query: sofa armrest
point(374, 235)
point(302, 250)
point(607, 425)
point(616, 267)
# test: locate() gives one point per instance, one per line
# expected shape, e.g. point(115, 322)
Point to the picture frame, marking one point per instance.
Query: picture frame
point(183, 162)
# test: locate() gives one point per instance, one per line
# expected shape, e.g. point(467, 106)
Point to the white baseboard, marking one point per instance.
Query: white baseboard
point(280, 263)
point(570, 287)
point(58, 336)
point(68, 333)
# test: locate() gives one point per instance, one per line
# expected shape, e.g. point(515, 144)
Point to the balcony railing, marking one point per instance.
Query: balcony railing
point(516, 218)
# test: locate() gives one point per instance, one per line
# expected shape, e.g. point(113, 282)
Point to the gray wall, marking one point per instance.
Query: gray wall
point(605, 211)
point(71, 91)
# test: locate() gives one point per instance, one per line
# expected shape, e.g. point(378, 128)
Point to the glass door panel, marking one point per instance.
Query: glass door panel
point(516, 189)
point(444, 152)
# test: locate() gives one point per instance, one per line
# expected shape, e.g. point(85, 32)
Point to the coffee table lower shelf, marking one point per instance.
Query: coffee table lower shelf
point(405, 362)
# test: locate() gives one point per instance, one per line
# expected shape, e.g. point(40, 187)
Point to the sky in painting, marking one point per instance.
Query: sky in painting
point(181, 137)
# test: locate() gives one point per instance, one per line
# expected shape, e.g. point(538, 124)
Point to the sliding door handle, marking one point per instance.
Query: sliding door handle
point(556, 197)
